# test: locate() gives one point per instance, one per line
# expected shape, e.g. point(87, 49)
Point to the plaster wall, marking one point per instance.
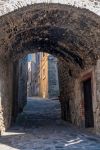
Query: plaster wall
point(10, 5)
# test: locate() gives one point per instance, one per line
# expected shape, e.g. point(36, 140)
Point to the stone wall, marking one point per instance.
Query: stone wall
point(97, 103)
point(71, 93)
point(6, 85)
point(22, 84)
point(66, 83)
point(15, 91)
point(9, 103)
point(70, 36)
point(53, 83)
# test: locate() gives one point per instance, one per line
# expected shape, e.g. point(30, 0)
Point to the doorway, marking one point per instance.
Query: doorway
point(88, 107)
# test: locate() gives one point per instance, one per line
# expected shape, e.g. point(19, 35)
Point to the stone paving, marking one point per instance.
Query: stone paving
point(39, 127)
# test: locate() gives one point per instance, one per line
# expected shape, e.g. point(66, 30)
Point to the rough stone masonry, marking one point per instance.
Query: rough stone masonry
point(69, 33)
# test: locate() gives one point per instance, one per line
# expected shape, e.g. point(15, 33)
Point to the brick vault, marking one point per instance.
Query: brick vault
point(69, 33)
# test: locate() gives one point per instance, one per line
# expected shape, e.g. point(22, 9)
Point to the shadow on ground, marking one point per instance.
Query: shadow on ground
point(39, 127)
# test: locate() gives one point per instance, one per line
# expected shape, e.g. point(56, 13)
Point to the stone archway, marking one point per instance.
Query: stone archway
point(71, 34)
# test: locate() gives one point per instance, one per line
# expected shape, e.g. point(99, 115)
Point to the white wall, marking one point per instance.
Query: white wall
point(9, 5)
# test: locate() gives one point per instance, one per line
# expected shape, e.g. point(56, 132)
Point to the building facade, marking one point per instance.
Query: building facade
point(48, 76)
point(33, 75)
point(43, 76)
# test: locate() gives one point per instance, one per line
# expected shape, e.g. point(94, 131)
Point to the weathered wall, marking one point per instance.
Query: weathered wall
point(48, 78)
point(88, 72)
point(15, 90)
point(66, 83)
point(43, 75)
point(10, 5)
point(6, 85)
point(97, 104)
point(53, 83)
point(71, 93)
point(11, 102)
point(22, 83)
point(69, 89)
point(74, 37)
point(31, 82)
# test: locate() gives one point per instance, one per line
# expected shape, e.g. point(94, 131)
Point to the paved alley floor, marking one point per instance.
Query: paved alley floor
point(39, 127)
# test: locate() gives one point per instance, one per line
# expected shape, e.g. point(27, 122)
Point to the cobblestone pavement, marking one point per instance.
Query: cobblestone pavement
point(39, 127)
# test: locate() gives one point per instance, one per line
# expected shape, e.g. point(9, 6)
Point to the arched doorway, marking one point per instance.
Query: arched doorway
point(69, 33)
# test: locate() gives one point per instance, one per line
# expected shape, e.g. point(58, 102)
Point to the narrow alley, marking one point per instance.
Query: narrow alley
point(39, 127)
